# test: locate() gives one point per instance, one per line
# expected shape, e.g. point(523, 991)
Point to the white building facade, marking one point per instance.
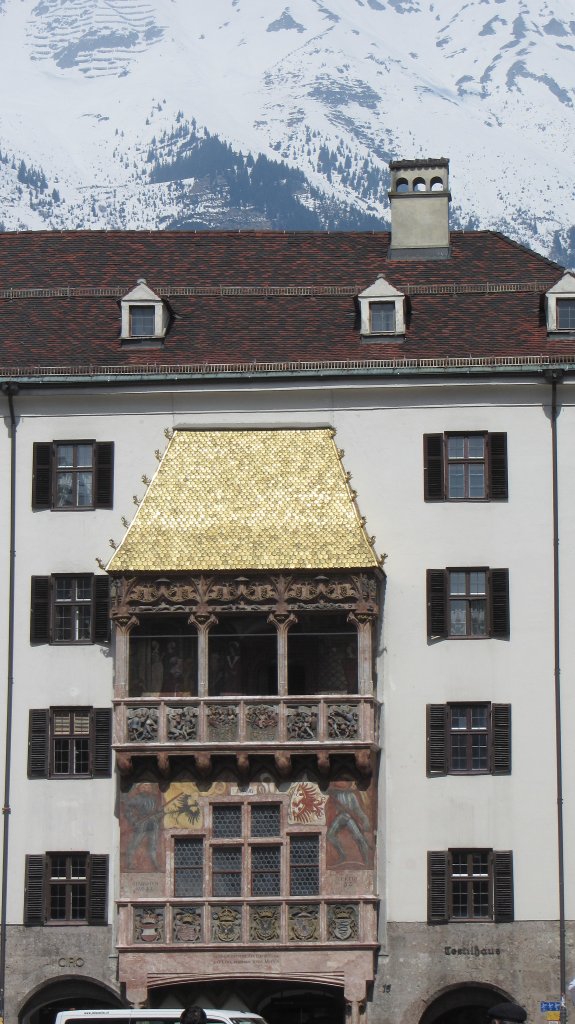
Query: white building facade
point(441, 882)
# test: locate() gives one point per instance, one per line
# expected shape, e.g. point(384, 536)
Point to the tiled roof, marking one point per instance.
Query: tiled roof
point(263, 296)
point(247, 499)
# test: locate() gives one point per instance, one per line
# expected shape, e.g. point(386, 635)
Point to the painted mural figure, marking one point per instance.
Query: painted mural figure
point(350, 817)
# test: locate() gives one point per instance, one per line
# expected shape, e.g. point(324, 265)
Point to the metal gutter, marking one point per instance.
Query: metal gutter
point(9, 389)
point(123, 375)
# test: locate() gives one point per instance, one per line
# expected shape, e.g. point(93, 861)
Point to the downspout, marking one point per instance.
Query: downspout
point(553, 377)
point(9, 389)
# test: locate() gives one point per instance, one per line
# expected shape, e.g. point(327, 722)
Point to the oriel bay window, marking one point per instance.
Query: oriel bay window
point(242, 655)
point(163, 657)
point(247, 853)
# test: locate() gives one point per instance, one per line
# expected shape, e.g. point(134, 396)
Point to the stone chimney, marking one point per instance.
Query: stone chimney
point(419, 198)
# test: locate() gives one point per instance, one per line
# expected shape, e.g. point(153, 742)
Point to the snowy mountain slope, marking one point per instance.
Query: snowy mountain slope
point(113, 110)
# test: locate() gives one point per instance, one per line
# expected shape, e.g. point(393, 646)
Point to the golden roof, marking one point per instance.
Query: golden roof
point(247, 499)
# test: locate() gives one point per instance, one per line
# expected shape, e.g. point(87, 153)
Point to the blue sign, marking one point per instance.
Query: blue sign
point(550, 1006)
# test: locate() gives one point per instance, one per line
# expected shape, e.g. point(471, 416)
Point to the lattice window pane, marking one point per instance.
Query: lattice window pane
point(227, 822)
point(266, 871)
point(227, 871)
point(189, 867)
point(265, 820)
point(304, 865)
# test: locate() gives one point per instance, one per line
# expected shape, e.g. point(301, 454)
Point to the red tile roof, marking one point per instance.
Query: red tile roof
point(264, 297)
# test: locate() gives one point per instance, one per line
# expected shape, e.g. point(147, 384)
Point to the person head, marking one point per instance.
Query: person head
point(194, 1015)
point(507, 1013)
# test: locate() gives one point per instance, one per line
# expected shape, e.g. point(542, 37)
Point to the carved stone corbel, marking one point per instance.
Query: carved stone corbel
point(364, 761)
point(323, 762)
point(203, 762)
point(243, 765)
point(163, 760)
point(283, 762)
point(124, 762)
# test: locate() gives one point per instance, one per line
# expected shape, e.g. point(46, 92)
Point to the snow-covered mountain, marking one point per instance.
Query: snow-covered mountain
point(285, 113)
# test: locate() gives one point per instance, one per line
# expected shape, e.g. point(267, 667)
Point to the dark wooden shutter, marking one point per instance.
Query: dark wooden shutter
point(437, 757)
point(101, 608)
point(437, 887)
point(502, 887)
point(499, 596)
point(34, 890)
point(436, 604)
point(102, 768)
point(433, 486)
point(501, 739)
point(38, 743)
point(42, 475)
point(104, 475)
point(98, 895)
point(497, 456)
point(40, 610)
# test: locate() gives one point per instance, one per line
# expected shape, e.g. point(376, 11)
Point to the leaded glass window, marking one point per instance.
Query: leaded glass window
point(189, 866)
point(304, 865)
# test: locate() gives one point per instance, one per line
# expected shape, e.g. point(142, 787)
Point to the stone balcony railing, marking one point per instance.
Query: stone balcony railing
point(277, 725)
point(179, 923)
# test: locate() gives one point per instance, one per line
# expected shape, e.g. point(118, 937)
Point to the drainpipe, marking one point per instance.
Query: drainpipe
point(9, 389)
point(554, 377)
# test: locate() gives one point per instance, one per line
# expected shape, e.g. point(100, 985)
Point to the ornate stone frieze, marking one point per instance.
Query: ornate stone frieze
point(342, 722)
point(226, 924)
point(149, 924)
point(222, 722)
point(142, 724)
point(342, 922)
point(303, 923)
point(302, 722)
point(187, 924)
point(265, 923)
point(200, 595)
point(182, 723)
point(262, 721)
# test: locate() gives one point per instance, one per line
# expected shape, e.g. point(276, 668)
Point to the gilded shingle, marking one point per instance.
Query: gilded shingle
point(247, 499)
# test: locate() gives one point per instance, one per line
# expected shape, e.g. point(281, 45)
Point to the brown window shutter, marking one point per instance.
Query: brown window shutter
point(433, 486)
point(38, 743)
point(101, 609)
point(40, 610)
point(102, 718)
point(104, 475)
point(98, 895)
point(499, 597)
point(437, 889)
point(437, 759)
point(501, 739)
point(42, 475)
point(436, 604)
point(502, 887)
point(34, 890)
point(498, 490)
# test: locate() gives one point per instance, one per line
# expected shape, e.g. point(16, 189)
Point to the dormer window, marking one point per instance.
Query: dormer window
point(382, 312)
point(145, 316)
point(142, 321)
point(382, 317)
point(560, 306)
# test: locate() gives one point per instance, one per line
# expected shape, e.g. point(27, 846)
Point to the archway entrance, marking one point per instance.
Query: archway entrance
point(464, 1004)
point(278, 1002)
point(64, 994)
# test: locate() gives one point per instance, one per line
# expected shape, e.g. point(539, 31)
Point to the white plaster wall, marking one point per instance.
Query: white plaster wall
point(380, 427)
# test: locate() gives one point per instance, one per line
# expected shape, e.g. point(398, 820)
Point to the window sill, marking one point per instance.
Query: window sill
point(383, 337)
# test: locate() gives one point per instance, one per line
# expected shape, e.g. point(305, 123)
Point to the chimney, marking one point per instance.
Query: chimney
point(419, 232)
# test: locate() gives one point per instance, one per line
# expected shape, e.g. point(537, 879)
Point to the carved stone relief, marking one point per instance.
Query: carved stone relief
point(302, 722)
point(142, 724)
point(149, 924)
point(342, 922)
point(226, 924)
point(187, 924)
point(264, 923)
point(303, 923)
point(342, 721)
point(182, 723)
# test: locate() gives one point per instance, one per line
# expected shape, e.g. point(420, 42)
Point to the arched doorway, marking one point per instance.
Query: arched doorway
point(64, 994)
point(278, 1002)
point(463, 1004)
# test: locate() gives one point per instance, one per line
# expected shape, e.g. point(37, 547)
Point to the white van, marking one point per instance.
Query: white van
point(135, 1016)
